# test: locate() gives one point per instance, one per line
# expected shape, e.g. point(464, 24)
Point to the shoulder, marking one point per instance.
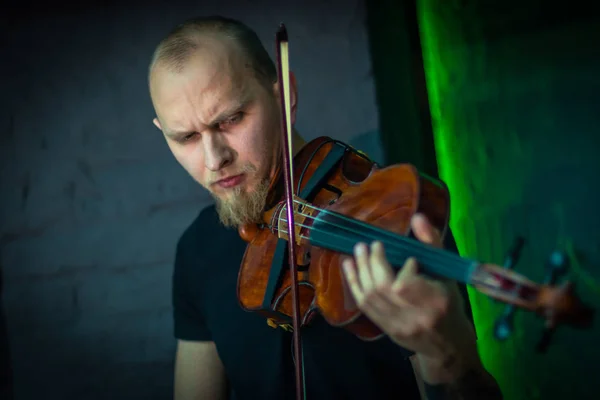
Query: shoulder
point(190, 283)
point(206, 220)
point(205, 240)
point(192, 245)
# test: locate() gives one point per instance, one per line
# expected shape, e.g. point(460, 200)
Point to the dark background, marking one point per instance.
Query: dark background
point(499, 98)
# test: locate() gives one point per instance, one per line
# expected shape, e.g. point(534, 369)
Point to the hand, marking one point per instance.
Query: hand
point(418, 313)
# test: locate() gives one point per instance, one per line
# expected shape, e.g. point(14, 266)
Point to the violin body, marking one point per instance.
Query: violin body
point(353, 185)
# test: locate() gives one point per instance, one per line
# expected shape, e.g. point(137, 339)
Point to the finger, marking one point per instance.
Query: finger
point(386, 302)
point(402, 284)
point(381, 270)
point(404, 287)
point(424, 231)
point(349, 268)
point(361, 257)
point(371, 303)
point(391, 305)
point(409, 270)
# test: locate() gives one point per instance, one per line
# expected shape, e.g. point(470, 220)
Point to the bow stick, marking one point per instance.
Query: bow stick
point(286, 130)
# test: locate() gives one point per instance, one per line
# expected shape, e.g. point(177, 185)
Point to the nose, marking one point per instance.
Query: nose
point(217, 153)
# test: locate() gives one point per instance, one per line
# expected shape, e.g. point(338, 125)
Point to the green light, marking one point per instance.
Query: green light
point(509, 121)
point(458, 151)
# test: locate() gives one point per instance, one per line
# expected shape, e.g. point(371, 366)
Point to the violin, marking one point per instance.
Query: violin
point(333, 197)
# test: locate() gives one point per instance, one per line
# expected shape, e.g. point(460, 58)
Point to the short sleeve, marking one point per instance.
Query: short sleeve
point(450, 244)
point(189, 322)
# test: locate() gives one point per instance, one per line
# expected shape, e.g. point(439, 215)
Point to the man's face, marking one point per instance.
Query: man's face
point(222, 126)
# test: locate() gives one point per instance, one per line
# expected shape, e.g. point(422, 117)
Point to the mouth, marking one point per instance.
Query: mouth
point(230, 182)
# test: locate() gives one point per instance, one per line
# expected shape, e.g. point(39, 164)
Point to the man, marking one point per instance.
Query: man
point(215, 93)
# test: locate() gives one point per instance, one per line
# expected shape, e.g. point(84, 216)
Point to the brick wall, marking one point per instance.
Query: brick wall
point(92, 201)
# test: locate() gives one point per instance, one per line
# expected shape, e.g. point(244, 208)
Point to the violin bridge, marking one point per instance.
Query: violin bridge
point(303, 212)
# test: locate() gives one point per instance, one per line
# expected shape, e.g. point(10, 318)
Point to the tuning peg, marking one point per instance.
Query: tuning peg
point(512, 255)
point(504, 324)
point(557, 266)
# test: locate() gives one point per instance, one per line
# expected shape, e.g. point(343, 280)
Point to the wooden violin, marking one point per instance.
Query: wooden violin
point(334, 197)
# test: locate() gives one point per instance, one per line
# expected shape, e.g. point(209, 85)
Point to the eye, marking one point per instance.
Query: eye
point(233, 120)
point(187, 137)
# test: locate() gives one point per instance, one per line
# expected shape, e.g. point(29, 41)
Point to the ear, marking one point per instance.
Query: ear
point(157, 123)
point(293, 95)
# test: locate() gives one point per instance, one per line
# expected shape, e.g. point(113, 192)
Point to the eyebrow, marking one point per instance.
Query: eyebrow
point(239, 104)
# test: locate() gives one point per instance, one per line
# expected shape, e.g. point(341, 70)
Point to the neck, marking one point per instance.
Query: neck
point(297, 141)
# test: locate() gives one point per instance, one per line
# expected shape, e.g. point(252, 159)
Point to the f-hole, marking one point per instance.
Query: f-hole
point(333, 190)
point(303, 261)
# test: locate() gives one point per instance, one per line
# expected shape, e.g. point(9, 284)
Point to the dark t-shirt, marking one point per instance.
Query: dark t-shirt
point(258, 359)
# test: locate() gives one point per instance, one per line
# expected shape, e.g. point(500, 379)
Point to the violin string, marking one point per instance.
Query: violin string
point(433, 259)
point(437, 266)
point(354, 221)
point(400, 242)
point(404, 243)
point(448, 264)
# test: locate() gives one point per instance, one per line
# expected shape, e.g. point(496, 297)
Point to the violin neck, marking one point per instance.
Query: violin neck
point(340, 233)
point(437, 263)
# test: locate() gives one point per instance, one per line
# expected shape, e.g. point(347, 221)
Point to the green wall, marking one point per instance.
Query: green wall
point(513, 99)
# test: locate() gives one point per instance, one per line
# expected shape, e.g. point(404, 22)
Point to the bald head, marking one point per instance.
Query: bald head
point(191, 37)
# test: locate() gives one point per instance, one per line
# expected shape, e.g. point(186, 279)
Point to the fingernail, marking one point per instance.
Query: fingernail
point(346, 265)
point(417, 216)
point(358, 249)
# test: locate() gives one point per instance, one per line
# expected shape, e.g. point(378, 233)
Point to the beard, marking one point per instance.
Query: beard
point(242, 207)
